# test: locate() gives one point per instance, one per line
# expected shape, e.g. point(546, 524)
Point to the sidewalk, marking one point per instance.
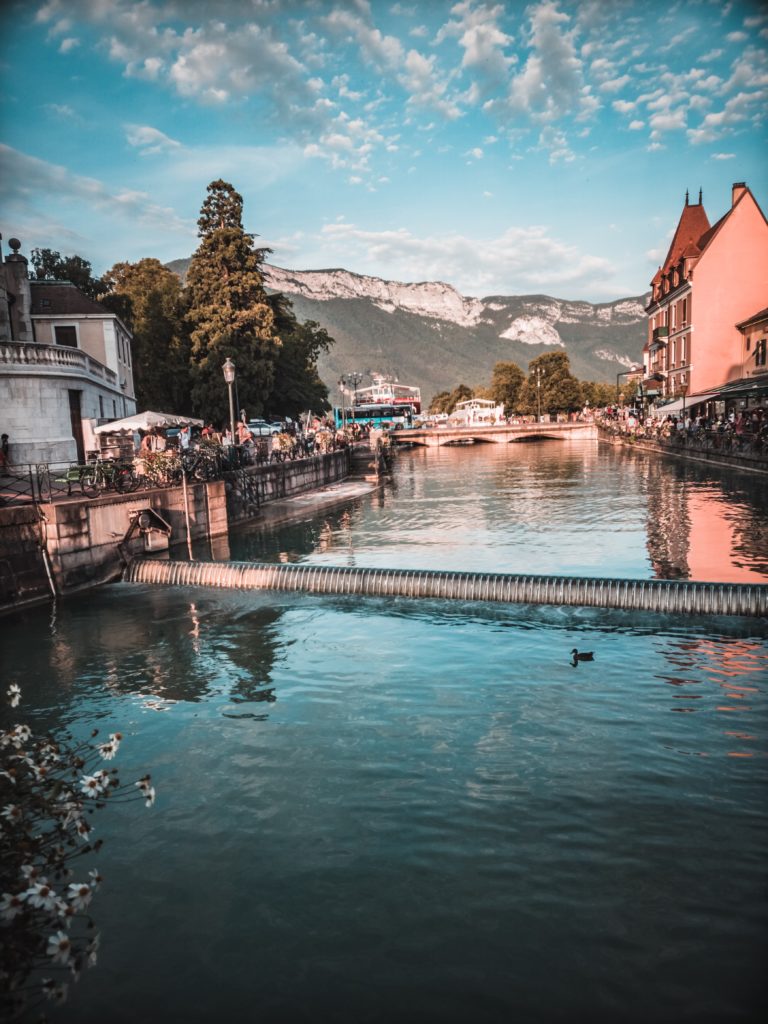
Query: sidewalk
point(306, 504)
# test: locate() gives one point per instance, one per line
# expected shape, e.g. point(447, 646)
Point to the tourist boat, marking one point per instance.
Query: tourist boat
point(387, 391)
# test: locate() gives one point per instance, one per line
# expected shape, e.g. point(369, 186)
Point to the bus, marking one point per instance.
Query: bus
point(375, 414)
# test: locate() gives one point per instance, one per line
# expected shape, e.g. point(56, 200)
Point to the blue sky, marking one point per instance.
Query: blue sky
point(504, 148)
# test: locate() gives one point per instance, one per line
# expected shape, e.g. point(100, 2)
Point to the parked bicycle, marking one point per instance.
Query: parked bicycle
point(95, 477)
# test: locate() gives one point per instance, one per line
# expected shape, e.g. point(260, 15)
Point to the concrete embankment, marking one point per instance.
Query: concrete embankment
point(692, 453)
point(77, 543)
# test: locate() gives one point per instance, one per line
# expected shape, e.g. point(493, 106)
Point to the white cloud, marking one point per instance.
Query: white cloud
point(149, 140)
point(69, 44)
point(635, 126)
point(614, 84)
point(60, 110)
point(483, 41)
point(28, 178)
point(723, 156)
point(551, 85)
point(518, 261)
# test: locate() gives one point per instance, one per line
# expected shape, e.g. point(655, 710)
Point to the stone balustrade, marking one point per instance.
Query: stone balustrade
point(61, 359)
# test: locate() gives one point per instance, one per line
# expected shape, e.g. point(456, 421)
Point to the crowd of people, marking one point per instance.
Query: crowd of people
point(744, 432)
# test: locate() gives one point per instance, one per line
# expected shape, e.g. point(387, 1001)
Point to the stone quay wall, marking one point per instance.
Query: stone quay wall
point(23, 573)
point(250, 488)
point(72, 545)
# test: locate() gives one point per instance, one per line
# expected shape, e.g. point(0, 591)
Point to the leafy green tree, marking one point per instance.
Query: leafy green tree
point(447, 402)
point(50, 265)
point(600, 394)
point(557, 388)
point(148, 297)
point(297, 386)
point(228, 312)
point(439, 402)
point(506, 381)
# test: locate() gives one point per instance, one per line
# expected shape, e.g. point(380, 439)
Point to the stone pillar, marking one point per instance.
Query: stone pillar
point(19, 294)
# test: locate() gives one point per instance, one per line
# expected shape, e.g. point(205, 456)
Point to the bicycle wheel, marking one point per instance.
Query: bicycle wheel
point(126, 479)
point(90, 484)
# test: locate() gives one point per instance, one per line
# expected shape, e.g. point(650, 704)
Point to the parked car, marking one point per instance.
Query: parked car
point(260, 428)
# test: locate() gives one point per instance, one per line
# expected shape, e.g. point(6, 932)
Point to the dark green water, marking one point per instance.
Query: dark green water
point(391, 810)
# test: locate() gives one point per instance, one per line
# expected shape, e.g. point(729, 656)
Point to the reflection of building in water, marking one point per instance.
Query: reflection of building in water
point(721, 676)
point(668, 524)
point(696, 532)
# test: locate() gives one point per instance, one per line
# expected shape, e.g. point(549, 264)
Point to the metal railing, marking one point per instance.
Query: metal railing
point(747, 446)
point(46, 482)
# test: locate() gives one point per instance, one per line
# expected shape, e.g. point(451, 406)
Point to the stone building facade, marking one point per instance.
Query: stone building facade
point(65, 366)
point(713, 279)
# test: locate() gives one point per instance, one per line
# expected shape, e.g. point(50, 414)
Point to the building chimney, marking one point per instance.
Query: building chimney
point(737, 191)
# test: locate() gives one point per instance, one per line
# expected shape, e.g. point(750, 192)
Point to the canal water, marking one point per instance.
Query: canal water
point(377, 810)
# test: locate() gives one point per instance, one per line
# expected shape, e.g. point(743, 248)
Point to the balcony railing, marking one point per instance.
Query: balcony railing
point(61, 359)
point(660, 335)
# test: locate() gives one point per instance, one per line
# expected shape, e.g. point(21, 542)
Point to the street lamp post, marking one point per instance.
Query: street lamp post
point(229, 376)
point(353, 379)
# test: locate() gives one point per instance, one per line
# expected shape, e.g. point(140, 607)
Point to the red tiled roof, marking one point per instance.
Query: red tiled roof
point(693, 224)
point(60, 298)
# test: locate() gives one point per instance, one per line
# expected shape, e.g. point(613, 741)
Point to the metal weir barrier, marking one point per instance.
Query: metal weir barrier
point(667, 596)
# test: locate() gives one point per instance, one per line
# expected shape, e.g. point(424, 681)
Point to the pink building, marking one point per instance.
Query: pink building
point(714, 278)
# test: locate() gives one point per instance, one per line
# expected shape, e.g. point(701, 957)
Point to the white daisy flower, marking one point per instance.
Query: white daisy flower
point(79, 895)
point(59, 947)
point(13, 813)
point(14, 694)
point(41, 895)
point(10, 905)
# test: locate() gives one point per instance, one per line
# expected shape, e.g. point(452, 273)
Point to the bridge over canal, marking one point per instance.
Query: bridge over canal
point(506, 433)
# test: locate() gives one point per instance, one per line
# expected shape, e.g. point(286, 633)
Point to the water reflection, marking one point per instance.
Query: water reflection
point(704, 525)
point(727, 677)
point(171, 651)
point(549, 508)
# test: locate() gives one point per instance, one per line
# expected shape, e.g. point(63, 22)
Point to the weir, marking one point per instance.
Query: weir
point(674, 597)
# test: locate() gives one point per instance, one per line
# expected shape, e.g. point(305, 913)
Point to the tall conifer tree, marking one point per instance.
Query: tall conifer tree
point(228, 312)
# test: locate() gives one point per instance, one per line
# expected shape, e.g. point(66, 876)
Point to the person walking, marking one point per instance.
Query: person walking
point(5, 457)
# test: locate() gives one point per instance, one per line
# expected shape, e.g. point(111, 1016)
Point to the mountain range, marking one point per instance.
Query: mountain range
point(428, 334)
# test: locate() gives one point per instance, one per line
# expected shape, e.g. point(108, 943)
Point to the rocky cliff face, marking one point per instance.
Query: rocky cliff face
point(430, 335)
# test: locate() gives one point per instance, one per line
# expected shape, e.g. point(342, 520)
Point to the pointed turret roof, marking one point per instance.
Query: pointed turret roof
point(692, 225)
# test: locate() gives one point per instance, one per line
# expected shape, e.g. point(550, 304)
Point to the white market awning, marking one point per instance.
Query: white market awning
point(146, 421)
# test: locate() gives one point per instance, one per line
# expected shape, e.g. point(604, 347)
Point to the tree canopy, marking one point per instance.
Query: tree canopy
point(228, 314)
point(50, 265)
point(149, 298)
point(506, 381)
point(297, 386)
point(555, 388)
point(446, 401)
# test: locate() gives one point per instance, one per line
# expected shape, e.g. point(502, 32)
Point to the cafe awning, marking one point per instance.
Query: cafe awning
point(672, 408)
point(146, 421)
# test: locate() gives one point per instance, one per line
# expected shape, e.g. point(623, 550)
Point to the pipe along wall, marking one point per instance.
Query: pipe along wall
point(668, 596)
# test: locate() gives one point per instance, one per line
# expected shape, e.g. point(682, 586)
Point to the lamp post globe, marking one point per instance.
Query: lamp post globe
point(228, 369)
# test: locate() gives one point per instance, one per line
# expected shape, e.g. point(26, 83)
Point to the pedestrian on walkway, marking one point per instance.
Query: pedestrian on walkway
point(5, 458)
